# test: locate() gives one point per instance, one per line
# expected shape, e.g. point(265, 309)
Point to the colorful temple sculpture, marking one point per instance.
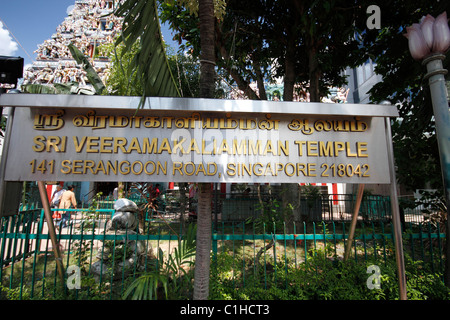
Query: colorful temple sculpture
point(89, 25)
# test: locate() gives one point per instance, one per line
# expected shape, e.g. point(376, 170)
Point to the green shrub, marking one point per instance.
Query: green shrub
point(321, 278)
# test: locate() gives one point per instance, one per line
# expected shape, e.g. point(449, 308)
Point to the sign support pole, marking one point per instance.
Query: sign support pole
point(3, 159)
point(354, 220)
point(396, 215)
point(51, 231)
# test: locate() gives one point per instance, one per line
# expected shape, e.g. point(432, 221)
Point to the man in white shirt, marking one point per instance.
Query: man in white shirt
point(56, 198)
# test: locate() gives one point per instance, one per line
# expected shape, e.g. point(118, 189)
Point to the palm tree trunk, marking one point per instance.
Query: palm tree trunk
point(203, 253)
point(207, 86)
point(207, 55)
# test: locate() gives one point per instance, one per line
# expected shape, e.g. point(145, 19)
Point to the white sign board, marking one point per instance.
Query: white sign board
point(196, 143)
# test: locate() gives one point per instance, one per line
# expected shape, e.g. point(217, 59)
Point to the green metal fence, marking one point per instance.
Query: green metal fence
point(374, 241)
point(109, 260)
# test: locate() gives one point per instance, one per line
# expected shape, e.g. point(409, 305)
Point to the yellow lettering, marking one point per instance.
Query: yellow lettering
point(269, 148)
point(283, 148)
point(349, 152)
point(105, 142)
point(79, 145)
point(77, 164)
point(66, 166)
point(109, 167)
point(286, 169)
point(39, 144)
point(193, 147)
point(186, 170)
point(92, 142)
point(311, 169)
point(204, 147)
point(63, 144)
point(177, 166)
point(231, 169)
point(161, 168)
point(269, 170)
point(312, 148)
point(208, 165)
point(146, 165)
point(279, 168)
point(361, 148)
point(120, 143)
point(150, 148)
point(301, 168)
point(178, 145)
point(255, 149)
point(88, 164)
point(165, 146)
point(325, 149)
point(224, 147)
point(300, 146)
point(247, 169)
point(137, 172)
point(134, 146)
point(127, 168)
point(239, 149)
point(257, 172)
point(338, 146)
point(200, 168)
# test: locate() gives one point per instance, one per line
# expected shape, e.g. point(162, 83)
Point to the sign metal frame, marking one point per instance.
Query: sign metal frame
point(234, 156)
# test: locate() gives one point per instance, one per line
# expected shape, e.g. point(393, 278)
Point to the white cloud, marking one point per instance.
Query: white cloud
point(8, 47)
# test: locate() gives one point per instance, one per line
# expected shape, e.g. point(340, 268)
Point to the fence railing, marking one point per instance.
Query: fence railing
point(109, 259)
point(322, 207)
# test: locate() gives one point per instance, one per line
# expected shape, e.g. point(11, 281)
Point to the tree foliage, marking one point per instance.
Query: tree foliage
point(403, 84)
point(122, 81)
point(307, 43)
point(186, 71)
point(149, 62)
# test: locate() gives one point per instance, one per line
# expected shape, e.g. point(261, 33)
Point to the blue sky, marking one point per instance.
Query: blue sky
point(31, 22)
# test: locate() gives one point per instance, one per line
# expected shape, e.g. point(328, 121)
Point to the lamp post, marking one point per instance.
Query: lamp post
point(428, 41)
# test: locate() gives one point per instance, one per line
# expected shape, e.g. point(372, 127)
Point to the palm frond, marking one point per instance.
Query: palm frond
point(38, 89)
point(91, 74)
point(184, 253)
point(146, 286)
point(141, 23)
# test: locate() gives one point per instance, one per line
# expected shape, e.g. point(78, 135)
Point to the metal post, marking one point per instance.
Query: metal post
point(216, 206)
point(439, 96)
point(354, 220)
point(51, 231)
point(396, 215)
point(6, 143)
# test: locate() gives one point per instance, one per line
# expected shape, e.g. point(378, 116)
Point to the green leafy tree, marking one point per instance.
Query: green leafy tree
point(186, 70)
point(403, 84)
point(307, 43)
point(122, 81)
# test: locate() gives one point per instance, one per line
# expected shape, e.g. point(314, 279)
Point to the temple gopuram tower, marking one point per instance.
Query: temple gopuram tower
point(89, 24)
